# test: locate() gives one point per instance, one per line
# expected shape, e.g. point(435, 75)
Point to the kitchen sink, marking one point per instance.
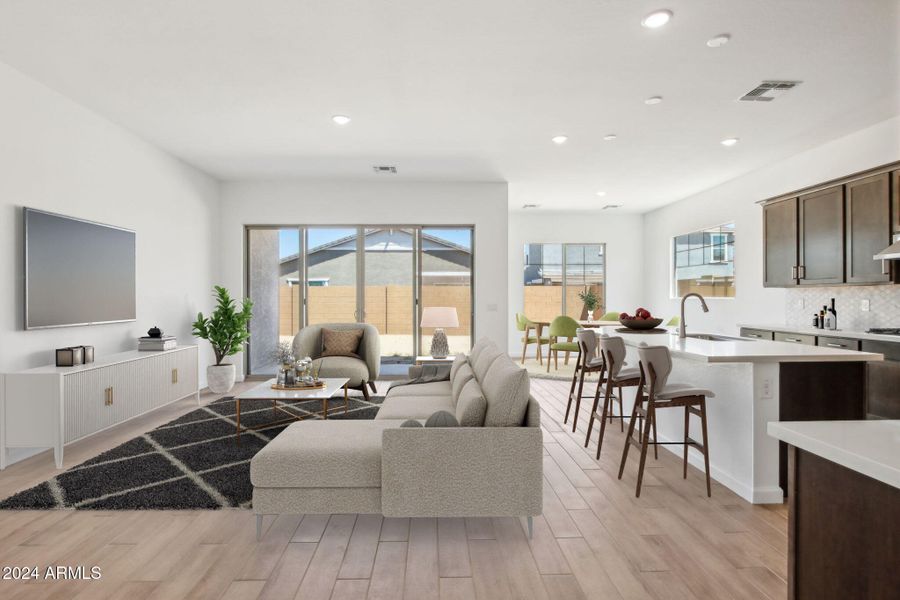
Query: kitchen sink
point(710, 337)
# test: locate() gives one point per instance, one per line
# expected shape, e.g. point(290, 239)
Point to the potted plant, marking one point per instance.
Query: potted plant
point(226, 330)
point(591, 302)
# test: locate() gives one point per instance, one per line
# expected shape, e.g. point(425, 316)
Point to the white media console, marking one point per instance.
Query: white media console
point(49, 407)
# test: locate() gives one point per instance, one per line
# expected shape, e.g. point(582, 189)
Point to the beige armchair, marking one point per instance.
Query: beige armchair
point(362, 371)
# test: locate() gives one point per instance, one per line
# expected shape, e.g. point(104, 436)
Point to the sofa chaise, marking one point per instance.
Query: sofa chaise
point(489, 466)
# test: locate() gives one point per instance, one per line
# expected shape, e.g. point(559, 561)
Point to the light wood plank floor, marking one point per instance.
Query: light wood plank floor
point(594, 540)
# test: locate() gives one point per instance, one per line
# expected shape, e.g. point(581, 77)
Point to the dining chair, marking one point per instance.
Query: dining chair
point(562, 327)
point(526, 325)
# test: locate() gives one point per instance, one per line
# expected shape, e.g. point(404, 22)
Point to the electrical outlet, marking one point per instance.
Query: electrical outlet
point(766, 389)
point(492, 308)
point(864, 305)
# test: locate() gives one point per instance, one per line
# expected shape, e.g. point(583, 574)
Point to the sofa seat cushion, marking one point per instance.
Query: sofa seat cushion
point(433, 388)
point(322, 454)
point(413, 407)
point(343, 366)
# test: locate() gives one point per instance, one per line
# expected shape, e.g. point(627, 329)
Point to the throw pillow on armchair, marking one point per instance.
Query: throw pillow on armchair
point(341, 343)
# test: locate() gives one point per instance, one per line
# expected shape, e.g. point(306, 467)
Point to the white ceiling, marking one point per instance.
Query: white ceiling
point(470, 90)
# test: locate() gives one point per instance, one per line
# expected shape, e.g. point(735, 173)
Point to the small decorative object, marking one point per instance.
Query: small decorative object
point(227, 331)
point(88, 354)
point(439, 317)
point(642, 319)
point(154, 332)
point(69, 357)
point(442, 418)
point(410, 423)
point(591, 302)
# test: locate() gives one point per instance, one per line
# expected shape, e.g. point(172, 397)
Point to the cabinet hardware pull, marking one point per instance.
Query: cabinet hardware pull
point(112, 397)
point(787, 339)
point(802, 271)
point(174, 375)
point(794, 272)
point(836, 345)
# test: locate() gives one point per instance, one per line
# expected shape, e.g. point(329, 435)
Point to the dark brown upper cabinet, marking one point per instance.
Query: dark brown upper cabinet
point(780, 234)
point(868, 212)
point(821, 237)
point(895, 187)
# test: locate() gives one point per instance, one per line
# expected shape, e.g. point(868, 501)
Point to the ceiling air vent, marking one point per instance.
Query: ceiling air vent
point(609, 206)
point(768, 91)
point(385, 169)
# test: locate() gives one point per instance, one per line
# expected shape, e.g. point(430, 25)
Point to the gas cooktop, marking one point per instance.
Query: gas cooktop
point(885, 330)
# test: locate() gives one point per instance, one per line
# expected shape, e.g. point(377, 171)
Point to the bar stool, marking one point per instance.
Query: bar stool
point(612, 349)
point(588, 362)
point(655, 366)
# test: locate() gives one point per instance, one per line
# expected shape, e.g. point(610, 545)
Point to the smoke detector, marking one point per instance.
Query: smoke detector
point(768, 91)
point(385, 169)
point(610, 206)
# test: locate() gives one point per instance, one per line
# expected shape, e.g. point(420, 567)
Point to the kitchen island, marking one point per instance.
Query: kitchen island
point(755, 382)
point(844, 510)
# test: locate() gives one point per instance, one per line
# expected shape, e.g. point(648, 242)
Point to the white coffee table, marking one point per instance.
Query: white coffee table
point(264, 391)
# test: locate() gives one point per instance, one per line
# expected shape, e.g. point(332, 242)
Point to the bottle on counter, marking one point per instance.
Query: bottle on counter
point(815, 321)
point(831, 317)
point(822, 317)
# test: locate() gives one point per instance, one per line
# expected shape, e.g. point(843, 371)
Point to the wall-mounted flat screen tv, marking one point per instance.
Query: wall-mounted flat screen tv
point(77, 272)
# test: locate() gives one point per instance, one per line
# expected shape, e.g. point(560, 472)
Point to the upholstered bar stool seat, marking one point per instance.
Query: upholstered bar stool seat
point(675, 390)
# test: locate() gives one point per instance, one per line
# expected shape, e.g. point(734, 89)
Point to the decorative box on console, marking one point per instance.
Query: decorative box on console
point(70, 357)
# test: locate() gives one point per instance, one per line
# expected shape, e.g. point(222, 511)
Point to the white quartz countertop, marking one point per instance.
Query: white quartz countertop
point(857, 335)
point(739, 350)
point(868, 447)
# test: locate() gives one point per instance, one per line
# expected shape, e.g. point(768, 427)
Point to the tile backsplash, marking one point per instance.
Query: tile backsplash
point(884, 305)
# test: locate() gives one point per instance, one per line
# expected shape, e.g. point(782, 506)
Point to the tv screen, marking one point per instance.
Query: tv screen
point(77, 272)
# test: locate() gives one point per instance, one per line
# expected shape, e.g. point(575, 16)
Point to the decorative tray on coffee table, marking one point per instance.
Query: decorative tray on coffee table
point(314, 385)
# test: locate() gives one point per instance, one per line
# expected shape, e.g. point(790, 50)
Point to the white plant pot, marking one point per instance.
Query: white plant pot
point(220, 378)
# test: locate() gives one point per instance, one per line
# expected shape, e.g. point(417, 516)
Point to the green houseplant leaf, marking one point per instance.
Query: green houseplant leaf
point(590, 299)
point(226, 329)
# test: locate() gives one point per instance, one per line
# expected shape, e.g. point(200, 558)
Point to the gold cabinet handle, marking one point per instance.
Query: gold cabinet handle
point(174, 375)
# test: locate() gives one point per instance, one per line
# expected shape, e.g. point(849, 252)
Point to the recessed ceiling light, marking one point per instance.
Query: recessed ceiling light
point(609, 137)
point(601, 194)
point(527, 206)
point(656, 19)
point(718, 41)
point(653, 100)
point(729, 141)
point(559, 139)
point(609, 206)
point(340, 119)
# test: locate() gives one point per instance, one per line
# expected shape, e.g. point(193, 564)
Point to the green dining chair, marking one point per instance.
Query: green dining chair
point(562, 327)
point(526, 325)
point(611, 315)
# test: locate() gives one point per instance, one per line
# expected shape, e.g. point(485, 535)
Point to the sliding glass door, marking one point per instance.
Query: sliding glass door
point(381, 275)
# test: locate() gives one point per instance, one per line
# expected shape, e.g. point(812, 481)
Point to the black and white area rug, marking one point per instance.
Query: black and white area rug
point(192, 462)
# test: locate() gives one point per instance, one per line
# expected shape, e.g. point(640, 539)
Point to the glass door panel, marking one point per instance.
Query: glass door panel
point(584, 271)
point(389, 269)
point(331, 274)
point(543, 281)
point(273, 278)
point(446, 280)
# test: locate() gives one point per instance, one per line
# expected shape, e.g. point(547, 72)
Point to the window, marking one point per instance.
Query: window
point(704, 262)
point(556, 273)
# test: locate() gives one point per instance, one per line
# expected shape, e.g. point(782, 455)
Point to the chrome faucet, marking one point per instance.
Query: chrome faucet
point(681, 332)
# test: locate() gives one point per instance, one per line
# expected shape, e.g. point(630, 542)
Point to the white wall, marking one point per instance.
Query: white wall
point(483, 205)
point(60, 157)
point(621, 233)
point(736, 201)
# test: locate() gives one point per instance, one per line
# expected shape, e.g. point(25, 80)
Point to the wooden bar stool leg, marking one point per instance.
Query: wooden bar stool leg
point(577, 398)
point(631, 424)
point(621, 411)
point(587, 438)
point(607, 402)
point(645, 441)
point(687, 429)
point(655, 446)
point(705, 444)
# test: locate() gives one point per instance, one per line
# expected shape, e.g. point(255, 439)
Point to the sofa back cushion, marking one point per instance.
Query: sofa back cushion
point(476, 350)
point(506, 388)
point(471, 407)
point(484, 360)
point(463, 375)
point(458, 361)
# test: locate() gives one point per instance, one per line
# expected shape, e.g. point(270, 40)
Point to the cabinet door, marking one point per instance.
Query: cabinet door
point(780, 243)
point(895, 202)
point(868, 211)
point(117, 383)
point(822, 237)
point(83, 404)
point(186, 372)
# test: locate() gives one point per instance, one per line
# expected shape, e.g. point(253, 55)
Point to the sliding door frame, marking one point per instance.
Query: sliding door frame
point(360, 314)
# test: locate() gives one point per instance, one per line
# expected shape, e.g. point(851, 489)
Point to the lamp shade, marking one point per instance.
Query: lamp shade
point(439, 316)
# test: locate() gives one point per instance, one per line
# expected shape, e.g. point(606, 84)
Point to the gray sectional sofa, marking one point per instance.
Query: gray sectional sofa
point(490, 466)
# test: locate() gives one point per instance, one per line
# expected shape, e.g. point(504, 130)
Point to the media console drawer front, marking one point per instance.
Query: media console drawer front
point(51, 407)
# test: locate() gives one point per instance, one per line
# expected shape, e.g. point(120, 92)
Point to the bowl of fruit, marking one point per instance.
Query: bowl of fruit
point(642, 319)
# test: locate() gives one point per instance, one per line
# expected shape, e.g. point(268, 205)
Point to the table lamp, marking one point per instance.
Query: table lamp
point(439, 317)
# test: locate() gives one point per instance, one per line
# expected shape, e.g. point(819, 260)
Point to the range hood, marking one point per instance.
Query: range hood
point(892, 252)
